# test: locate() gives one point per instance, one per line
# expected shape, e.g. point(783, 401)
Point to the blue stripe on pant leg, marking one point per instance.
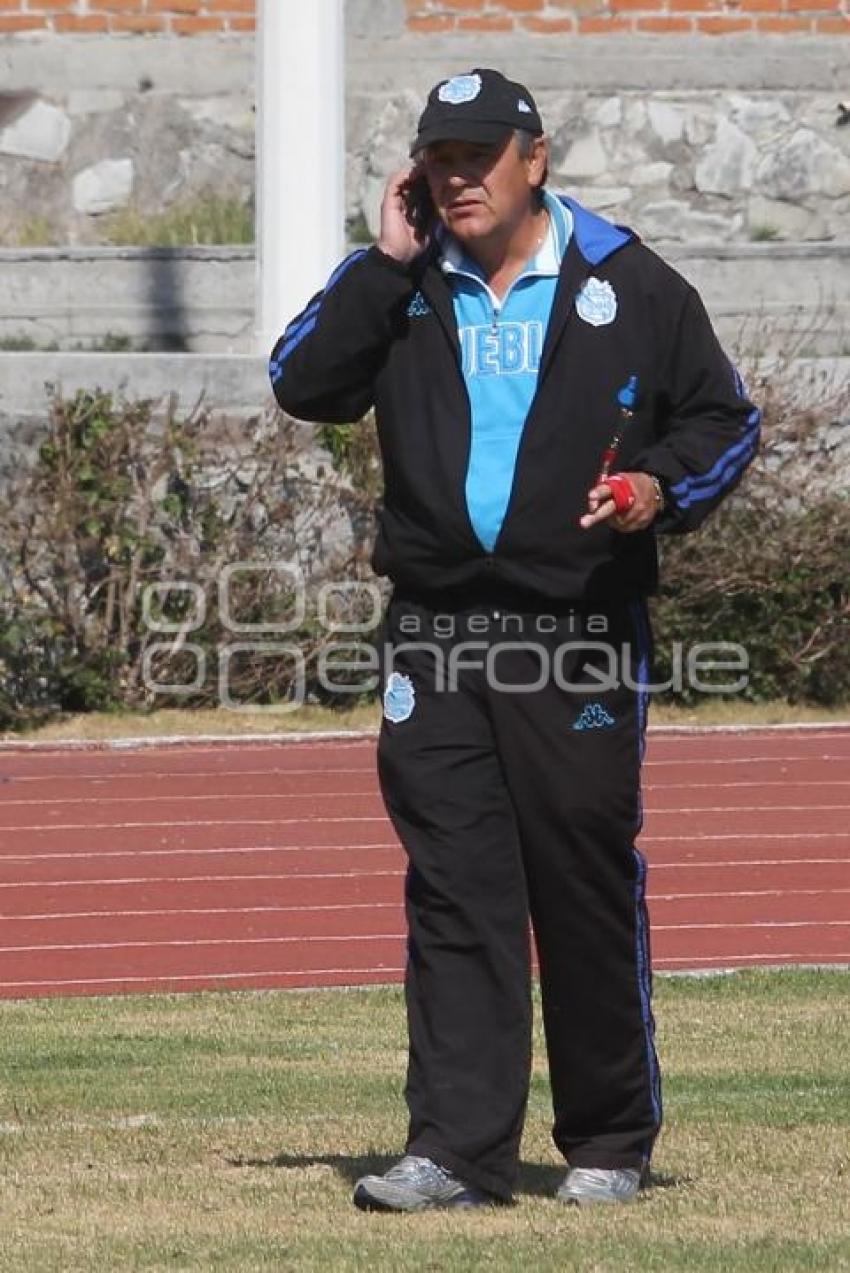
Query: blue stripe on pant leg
point(644, 967)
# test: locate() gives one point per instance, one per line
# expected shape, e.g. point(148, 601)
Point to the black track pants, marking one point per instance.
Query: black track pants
point(514, 795)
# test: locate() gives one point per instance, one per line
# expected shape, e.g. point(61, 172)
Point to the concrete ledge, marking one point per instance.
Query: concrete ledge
point(161, 298)
point(598, 62)
point(231, 384)
point(381, 64)
point(202, 299)
point(165, 64)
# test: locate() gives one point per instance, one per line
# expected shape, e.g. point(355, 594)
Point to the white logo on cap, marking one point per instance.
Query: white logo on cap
point(522, 105)
point(460, 89)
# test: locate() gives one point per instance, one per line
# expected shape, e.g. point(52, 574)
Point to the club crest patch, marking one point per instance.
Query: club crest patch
point(399, 698)
point(460, 89)
point(594, 716)
point(596, 303)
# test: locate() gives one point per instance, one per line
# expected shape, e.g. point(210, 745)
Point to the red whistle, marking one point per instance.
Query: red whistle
point(622, 492)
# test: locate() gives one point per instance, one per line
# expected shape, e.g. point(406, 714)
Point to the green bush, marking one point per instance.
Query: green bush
point(120, 498)
point(773, 579)
point(770, 569)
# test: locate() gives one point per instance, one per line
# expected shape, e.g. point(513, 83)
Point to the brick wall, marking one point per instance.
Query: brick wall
point(539, 17)
point(141, 17)
point(589, 17)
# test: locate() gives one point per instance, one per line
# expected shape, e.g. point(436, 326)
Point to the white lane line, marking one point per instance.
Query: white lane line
point(119, 775)
point(767, 957)
point(296, 877)
point(191, 822)
point(83, 854)
point(755, 783)
point(689, 836)
point(751, 808)
point(207, 910)
point(198, 879)
point(383, 970)
point(241, 849)
point(178, 797)
point(718, 961)
point(196, 943)
point(310, 909)
point(106, 778)
point(323, 796)
point(755, 892)
point(656, 742)
point(215, 744)
point(761, 923)
point(655, 761)
point(735, 862)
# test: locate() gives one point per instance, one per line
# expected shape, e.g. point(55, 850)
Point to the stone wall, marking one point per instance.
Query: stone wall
point(730, 144)
point(680, 166)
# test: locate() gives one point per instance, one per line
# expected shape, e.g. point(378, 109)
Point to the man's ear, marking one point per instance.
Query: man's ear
point(538, 163)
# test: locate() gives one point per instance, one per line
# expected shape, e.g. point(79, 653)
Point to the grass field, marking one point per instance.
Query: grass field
point(224, 1131)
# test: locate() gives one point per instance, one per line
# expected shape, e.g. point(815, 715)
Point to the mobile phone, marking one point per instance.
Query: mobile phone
point(419, 206)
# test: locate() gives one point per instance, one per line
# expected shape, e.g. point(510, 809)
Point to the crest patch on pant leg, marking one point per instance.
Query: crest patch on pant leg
point(399, 698)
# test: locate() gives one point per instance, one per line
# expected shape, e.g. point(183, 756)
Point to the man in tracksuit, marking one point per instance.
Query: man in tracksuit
point(548, 394)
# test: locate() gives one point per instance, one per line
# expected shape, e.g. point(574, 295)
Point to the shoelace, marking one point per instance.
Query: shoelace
point(413, 1168)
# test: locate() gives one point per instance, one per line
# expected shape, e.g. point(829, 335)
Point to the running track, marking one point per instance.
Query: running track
point(271, 864)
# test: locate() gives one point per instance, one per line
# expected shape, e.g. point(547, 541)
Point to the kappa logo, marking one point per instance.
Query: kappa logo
point(418, 307)
point(594, 716)
point(596, 303)
point(460, 89)
point(399, 698)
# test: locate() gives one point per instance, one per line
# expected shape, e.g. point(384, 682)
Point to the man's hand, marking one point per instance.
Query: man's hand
point(601, 508)
point(399, 237)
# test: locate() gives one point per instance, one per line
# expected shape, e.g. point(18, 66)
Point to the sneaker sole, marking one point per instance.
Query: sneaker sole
point(366, 1201)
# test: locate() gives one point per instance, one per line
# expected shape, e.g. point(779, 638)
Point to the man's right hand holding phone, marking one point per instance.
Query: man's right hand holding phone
point(406, 214)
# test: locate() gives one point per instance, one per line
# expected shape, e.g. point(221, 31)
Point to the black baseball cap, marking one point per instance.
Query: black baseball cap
point(479, 106)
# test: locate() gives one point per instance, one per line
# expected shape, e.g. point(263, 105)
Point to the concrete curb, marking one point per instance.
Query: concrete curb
point(359, 735)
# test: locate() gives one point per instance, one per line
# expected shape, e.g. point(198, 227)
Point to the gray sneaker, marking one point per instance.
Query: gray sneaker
point(589, 1186)
point(416, 1184)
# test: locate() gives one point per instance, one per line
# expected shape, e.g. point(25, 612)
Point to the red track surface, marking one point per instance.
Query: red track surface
point(225, 865)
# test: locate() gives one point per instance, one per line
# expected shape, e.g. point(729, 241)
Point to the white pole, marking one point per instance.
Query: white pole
point(300, 156)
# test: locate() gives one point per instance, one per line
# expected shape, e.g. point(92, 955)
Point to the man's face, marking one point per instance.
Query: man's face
point(480, 191)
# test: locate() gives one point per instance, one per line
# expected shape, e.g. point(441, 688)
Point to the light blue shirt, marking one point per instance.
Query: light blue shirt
point(501, 344)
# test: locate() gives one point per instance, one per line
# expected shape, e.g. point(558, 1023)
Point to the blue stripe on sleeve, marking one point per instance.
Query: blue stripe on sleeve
point(302, 317)
point(301, 326)
point(733, 461)
point(725, 479)
point(724, 471)
point(295, 341)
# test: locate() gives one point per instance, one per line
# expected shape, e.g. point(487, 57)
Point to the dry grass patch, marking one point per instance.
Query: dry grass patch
point(101, 727)
point(225, 1132)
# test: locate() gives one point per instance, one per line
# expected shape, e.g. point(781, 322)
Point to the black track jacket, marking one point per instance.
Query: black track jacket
point(383, 334)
